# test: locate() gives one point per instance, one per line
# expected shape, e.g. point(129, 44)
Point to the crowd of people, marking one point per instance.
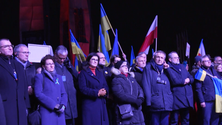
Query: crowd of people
point(159, 92)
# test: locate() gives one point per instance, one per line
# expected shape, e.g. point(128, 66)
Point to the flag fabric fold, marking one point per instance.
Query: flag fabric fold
point(188, 50)
point(218, 94)
point(150, 36)
point(200, 75)
point(76, 49)
point(106, 25)
point(201, 50)
point(76, 64)
point(132, 57)
point(115, 50)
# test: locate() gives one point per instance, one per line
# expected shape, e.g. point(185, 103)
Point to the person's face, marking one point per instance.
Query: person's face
point(6, 48)
point(117, 59)
point(144, 56)
point(60, 58)
point(206, 62)
point(49, 65)
point(219, 68)
point(141, 62)
point(218, 60)
point(159, 58)
point(93, 61)
point(23, 54)
point(123, 68)
point(174, 58)
point(102, 59)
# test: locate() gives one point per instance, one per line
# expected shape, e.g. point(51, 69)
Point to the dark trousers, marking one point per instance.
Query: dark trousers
point(184, 116)
point(210, 117)
point(160, 118)
point(70, 121)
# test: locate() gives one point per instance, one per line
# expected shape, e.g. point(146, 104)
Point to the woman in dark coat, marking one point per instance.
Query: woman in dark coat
point(50, 92)
point(127, 91)
point(93, 89)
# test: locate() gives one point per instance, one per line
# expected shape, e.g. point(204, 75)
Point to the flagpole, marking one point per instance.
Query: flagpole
point(79, 58)
point(156, 45)
point(156, 34)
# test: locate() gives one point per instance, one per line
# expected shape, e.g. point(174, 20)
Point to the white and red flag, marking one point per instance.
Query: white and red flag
point(150, 36)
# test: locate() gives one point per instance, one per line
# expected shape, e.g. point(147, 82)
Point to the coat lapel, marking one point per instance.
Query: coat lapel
point(6, 66)
point(92, 75)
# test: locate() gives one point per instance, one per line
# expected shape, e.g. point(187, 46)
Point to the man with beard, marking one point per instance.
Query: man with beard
point(181, 81)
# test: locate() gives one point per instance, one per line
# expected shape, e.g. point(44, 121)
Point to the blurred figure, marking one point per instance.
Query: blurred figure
point(13, 86)
point(218, 68)
point(156, 87)
point(50, 92)
point(93, 89)
point(196, 66)
point(127, 91)
point(217, 60)
point(143, 54)
point(69, 75)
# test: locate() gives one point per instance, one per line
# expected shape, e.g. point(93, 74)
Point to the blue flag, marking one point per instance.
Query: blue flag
point(76, 64)
point(218, 94)
point(115, 50)
point(44, 43)
point(103, 46)
point(132, 57)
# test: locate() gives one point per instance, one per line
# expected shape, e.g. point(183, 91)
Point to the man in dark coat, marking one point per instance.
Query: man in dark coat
point(206, 94)
point(69, 75)
point(156, 87)
point(196, 66)
point(2, 112)
point(21, 53)
point(13, 88)
point(181, 81)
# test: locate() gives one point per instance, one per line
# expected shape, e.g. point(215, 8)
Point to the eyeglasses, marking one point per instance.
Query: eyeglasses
point(176, 57)
point(7, 46)
point(25, 52)
point(50, 64)
point(94, 59)
point(207, 61)
point(123, 66)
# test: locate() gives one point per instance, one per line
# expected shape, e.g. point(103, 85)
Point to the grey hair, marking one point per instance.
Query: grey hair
point(159, 51)
point(141, 53)
point(17, 47)
point(3, 39)
point(137, 57)
point(170, 54)
point(61, 50)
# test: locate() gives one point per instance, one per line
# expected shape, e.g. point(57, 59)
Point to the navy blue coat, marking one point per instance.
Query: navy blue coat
point(138, 74)
point(49, 94)
point(157, 95)
point(205, 90)
point(14, 92)
point(182, 94)
point(94, 110)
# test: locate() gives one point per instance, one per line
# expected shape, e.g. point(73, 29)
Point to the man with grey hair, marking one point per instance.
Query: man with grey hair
point(13, 87)
point(181, 81)
point(69, 75)
point(143, 54)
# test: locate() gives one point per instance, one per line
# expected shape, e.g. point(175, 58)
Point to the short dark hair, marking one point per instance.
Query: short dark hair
point(85, 64)
point(205, 56)
point(17, 47)
point(112, 59)
point(43, 60)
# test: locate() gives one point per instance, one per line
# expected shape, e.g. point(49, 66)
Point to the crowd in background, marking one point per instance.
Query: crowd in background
point(160, 91)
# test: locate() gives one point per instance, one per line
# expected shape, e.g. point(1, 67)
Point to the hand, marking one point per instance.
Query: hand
point(61, 109)
point(165, 65)
point(203, 105)
point(56, 106)
point(186, 81)
point(30, 90)
point(67, 63)
point(215, 76)
point(102, 92)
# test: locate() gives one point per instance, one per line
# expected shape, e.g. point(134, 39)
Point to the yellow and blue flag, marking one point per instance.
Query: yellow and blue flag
point(132, 57)
point(105, 24)
point(76, 64)
point(200, 75)
point(218, 94)
point(115, 50)
point(76, 49)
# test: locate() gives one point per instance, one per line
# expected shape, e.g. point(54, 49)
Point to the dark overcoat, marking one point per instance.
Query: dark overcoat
point(68, 81)
point(2, 112)
point(157, 95)
point(94, 110)
point(49, 94)
point(126, 91)
point(14, 92)
point(138, 74)
point(182, 94)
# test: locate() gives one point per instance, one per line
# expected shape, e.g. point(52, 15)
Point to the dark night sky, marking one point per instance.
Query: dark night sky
point(133, 19)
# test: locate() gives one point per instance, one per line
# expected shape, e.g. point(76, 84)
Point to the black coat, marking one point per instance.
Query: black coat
point(94, 110)
point(157, 95)
point(122, 87)
point(14, 92)
point(69, 81)
point(138, 74)
point(2, 113)
point(205, 90)
point(182, 94)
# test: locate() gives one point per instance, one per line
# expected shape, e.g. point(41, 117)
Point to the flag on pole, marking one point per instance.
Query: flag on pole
point(150, 36)
point(132, 57)
point(201, 50)
point(200, 75)
point(76, 64)
point(115, 50)
point(188, 50)
point(76, 49)
point(105, 24)
point(103, 47)
point(218, 94)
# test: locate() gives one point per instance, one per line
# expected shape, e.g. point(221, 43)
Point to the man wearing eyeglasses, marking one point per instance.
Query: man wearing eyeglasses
point(13, 87)
point(206, 94)
point(180, 80)
point(69, 75)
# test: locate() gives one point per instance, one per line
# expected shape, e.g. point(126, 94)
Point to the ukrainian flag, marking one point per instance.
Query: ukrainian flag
point(132, 58)
point(200, 75)
point(115, 50)
point(105, 24)
point(218, 94)
point(76, 49)
point(76, 64)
